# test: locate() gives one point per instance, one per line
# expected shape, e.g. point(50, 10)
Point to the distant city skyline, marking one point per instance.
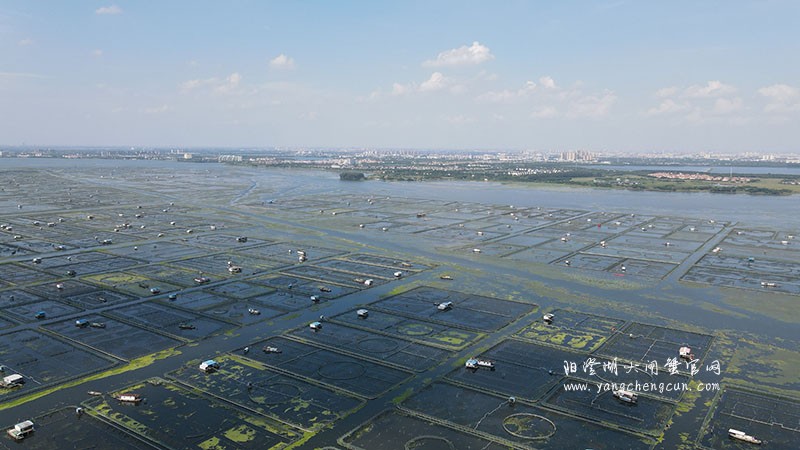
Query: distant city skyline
point(617, 76)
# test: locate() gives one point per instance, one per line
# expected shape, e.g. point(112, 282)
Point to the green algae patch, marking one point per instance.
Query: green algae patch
point(689, 398)
point(762, 365)
point(403, 396)
point(241, 433)
point(211, 443)
point(775, 305)
point(134, 364)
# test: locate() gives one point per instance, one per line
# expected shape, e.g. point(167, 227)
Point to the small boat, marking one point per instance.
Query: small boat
point(253, 311)
point(548, 318)
point(270, 349)
point(769, 284)
point(445, 277)
point(742, 436)
point(626, 396)
point(94, 393)
point(128, 398)
point(324, 289)
point(21, 430)
point(186, 326)
point(477, 363)
point(362, 313)
point(444, 306)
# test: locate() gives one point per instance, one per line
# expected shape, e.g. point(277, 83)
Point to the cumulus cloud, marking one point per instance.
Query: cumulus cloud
point(782, 98)
point(217, 85)
point(108, 10)
point(25, 42)
point(592, 106)
point(699, 103)
point(544, 112)
point(230, 83)
point(724, 106)
point(507, 95)
point(667, 92)
point(668, 106)
point(97, 53)
point(282, 62)
point(436, 82)
point(547, 82)
point(713, 88)
point(401, 89)
point(462, 56)
point(549, 100)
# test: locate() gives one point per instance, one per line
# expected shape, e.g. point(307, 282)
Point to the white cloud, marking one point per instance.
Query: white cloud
point(461, 56)
point(282, 62)
point(156, 109)
point(108, 10)
point(401, 89)
point(25, 42)
point(230, 83)
point(782, 98)
point(219, 86)
point(713, 88)
point(545, 112)
point(507, 95)
point(779, 92)
point(667, 92)
point(97, 53)
point(727, 106)
point(592, 106)
point(436, 82)
point(668, 106)
point(547, 82)
point(194, 84)
point(699, 102)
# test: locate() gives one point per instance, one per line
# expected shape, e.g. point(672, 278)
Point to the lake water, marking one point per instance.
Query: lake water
point(755, 211)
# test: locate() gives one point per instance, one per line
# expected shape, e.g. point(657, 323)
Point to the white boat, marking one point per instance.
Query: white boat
point(129, 398)
point(742, 436)
point(21, 430)
point(477, 363)
point(444, 306)
point(626, 396)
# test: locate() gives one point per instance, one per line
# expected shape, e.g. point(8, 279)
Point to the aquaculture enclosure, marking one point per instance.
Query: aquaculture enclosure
point(176, 417)
point(244, 382)
point(355, 375)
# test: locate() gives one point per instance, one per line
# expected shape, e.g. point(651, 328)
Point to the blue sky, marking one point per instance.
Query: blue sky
point(612, 75)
